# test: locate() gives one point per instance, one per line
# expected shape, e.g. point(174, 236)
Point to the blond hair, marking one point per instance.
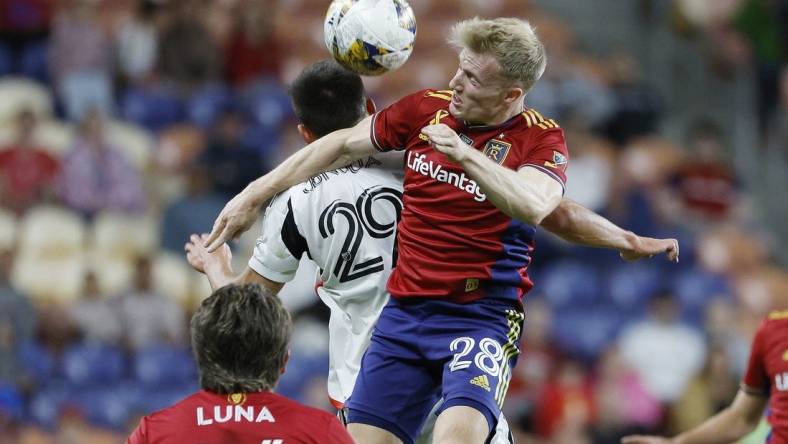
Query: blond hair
point(513, 42)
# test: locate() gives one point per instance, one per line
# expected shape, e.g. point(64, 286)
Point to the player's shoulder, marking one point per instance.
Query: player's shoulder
point(534, 121)
point(302, 411)
point(776, 319)
point(427, 101)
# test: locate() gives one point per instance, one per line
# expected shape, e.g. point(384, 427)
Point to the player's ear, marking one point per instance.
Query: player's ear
point(306, 133)
point(284, 364)
point(513, 93)
point(371, 108)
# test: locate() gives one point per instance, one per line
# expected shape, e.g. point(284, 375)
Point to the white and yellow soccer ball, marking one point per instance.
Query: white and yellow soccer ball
point(370, 37)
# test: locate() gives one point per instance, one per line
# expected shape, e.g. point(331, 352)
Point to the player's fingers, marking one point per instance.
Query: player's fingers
point(218, 240)
point(634, 439)
point(218, 228)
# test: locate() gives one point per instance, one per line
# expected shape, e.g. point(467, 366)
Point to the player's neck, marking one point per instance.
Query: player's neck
point(506, 113)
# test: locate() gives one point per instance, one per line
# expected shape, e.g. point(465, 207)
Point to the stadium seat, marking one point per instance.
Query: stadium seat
point(207, 104)
point(301, 367)
point(153, 109)
point(50, 232)
point(33, 62)
point(172, 277)
point(11, 402)
point(119, 235)
point(54, 136)
point(91, 364)
point(630, 286)
point(8, 229)
point(164, 366)
point(6, 60)
point(694, 288)
point(37, 361)
point(46, 404)
point(262, 139)
point(104, 407)
point(62, 282)
point(134, 142)
point(18, 93)
point(570, 284)
point(585, 333)
point(266, 103)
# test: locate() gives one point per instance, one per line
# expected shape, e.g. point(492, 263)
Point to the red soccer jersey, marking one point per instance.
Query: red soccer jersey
point(767, 372)
point(250, 418)
point(453, 243)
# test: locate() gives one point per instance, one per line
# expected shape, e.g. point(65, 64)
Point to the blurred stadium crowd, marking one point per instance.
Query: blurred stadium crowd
point(125, 125)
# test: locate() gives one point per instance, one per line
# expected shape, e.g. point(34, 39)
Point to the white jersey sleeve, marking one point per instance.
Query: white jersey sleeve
point(272, 259)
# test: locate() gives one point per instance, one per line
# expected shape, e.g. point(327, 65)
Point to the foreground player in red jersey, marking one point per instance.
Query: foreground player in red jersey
point(240, 336)
point(766, 381)
point(481, 172)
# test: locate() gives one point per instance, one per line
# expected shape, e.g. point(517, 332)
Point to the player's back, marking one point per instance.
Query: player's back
point(767, 372)
point(345, 221)
point(240, 418)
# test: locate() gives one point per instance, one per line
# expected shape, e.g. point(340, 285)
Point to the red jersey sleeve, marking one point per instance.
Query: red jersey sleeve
point(392, 127)
point(548, 153)
point(756, 380)
point(336, 433)
point(140, 434)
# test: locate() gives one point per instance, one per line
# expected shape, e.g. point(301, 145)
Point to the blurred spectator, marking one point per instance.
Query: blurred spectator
point(97, 176)
point(137, 43)
point(147, 317)
point(187, 54)
point(570, 91)
point(706, 186)
point(80, 60)
point(636, 107)
point(593, 161)
point(762, 24)
point(94, 314)
point(567, 403)
point(707, 393)
point(723, 328)
point(253, 51)
point(192, 213)
point(230, 163)
point(624, 405)
point(664, 352)
point(17, 323)
point(531, 375)
point(27, 171)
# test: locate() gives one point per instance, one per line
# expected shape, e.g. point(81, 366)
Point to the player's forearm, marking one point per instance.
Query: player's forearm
point(729, 425)
point(320, 155)
point(577, 224)
point(507, 190)
point(723, 428)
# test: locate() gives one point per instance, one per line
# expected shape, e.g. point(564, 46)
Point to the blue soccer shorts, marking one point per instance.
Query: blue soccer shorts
point(423, 350)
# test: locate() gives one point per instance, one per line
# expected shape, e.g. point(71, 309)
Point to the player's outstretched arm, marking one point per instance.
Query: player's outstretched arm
point(331, 151)
point(728, 426)
point(528, 194)
point(577, 224)
point(217, 266)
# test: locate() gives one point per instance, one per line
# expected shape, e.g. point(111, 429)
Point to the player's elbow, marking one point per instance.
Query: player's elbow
point(536, 211)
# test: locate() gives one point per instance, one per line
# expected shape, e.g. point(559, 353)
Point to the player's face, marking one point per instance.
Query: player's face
point(479, 90)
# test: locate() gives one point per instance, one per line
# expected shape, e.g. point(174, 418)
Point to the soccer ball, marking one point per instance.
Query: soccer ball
point(370, 37)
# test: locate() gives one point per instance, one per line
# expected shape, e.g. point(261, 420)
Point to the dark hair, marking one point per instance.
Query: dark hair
point(327, 97)
point(240, 337)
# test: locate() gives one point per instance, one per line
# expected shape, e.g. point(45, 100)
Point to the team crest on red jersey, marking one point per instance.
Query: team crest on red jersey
point(497, 150)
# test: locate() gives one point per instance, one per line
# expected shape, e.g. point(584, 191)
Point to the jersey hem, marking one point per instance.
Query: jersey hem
point(268, 273)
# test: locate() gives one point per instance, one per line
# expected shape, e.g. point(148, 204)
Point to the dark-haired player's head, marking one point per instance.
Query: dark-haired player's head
point(240, 337)
point(327, 97)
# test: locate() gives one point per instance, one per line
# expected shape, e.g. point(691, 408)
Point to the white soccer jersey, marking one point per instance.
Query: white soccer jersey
point(345, 221)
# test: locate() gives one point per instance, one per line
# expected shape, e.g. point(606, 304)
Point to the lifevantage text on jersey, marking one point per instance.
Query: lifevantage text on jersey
point(435, 170)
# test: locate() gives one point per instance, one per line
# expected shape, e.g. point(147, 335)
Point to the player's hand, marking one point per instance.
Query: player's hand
point(649, 247)
point(199, 257)
point(643, 439)
point(446, 141)
point(236, 217)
